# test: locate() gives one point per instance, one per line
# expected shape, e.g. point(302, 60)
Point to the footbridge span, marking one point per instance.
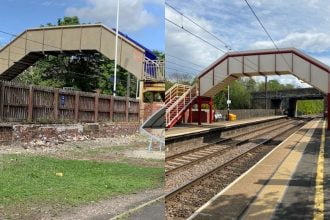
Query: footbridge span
point(234, 65)
point(33, 44)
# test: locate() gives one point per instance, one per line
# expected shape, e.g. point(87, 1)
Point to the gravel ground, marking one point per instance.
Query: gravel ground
point(100, 149)
point(154, 211)
point(90, 144)
point(176, 179)
point(184, 204)
point(110, 208)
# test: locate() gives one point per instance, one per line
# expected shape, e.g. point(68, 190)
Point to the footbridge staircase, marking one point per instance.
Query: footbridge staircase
point(177, 100)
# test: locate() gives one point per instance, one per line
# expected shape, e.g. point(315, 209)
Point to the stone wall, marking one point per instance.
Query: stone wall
point(47, 135)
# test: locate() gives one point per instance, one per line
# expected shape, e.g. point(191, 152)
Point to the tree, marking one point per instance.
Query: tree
point(159, 54)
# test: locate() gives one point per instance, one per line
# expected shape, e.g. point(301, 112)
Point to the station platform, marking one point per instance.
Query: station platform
point(194, 128)
point(291, 182)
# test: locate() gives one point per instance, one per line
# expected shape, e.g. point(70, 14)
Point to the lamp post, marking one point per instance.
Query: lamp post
point(228, 104)
point(116, 52)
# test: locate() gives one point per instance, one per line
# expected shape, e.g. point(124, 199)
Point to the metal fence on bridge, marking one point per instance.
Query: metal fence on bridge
point(34, 104)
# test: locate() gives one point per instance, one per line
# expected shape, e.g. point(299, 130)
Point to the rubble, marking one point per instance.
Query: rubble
point(37, 135)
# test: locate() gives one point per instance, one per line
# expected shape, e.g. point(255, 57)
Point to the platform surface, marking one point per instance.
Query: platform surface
point(195, 128)
point(287, 184)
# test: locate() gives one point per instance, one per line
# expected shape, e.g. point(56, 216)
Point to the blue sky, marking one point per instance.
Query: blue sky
point(143, 20)
point(303, 24)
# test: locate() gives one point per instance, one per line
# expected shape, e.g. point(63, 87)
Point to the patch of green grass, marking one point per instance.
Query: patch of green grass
point(32, 179)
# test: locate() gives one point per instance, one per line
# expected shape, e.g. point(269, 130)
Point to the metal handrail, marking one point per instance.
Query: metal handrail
point(154, 69)
point(174, 91)
point(192, 92)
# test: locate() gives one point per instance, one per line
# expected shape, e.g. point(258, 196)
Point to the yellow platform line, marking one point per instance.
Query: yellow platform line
point(319, 186)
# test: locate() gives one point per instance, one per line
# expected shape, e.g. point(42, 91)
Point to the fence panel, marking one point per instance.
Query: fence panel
point(66, 100)
point(43, 105)
point(19, 103)
point(86, 107)
point(119, 109)
point(15, 103)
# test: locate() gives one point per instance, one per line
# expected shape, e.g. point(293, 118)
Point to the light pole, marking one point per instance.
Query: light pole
point(228, 103)
point(116, 53)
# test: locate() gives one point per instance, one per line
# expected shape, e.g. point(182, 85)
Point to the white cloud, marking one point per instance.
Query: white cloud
point(313, 42)
point(324, 59)
point(133, 14)
point(291, 24)
point(183, 45)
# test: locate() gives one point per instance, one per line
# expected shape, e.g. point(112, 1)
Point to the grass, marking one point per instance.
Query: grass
point(33, 180)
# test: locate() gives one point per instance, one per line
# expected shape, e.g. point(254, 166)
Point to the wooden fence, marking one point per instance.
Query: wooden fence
point(19, 103)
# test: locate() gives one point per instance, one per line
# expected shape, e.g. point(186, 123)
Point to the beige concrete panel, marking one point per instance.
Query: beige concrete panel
point(220, 87)
point(267, 63)
point(71, 38)
point(319, 79)
point(250, 64)
point(17, 48)
point(206, 82)
point(301, 68)
point(90, 38)
point(108, 44)
point(235, 64)
point(220, 72)
point(284, 62)
point(132, 59)
point(53, 40)
point(4, 59)
point(34, 40)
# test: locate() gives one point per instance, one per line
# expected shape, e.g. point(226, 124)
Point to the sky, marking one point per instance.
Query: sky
point(142, 20)
point(303, 24)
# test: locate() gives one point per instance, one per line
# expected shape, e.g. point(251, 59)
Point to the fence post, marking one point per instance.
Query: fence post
point(126, 109)
point(96, 107)
point(111, 107)
point(55, 104)
point(2, 99)
point(30, 104)
point(76, 107)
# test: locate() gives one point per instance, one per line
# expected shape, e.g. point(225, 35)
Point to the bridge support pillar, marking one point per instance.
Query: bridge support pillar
point(211, 111)
point(199, 103)
point(190, 115)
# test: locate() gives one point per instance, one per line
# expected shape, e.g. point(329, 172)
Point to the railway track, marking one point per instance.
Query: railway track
point(188, 158)
point(183, 201)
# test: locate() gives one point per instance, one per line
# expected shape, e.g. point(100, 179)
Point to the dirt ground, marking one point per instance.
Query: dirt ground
point(126, 149)
point(129, 149)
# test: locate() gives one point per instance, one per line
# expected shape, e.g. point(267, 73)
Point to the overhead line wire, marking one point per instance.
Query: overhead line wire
point(265, 30)
point(181, 65)
point(183, 60)
point(194, 22)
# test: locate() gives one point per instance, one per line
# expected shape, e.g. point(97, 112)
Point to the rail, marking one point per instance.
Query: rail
point(209, 173)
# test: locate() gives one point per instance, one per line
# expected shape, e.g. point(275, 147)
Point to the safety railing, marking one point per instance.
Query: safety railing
point(174, 111)
point(174, 92)
point(154, 70)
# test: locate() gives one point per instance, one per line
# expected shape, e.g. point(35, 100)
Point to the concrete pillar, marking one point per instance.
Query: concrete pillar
point(210, 113)
point(190, 114)
point(199, 111)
